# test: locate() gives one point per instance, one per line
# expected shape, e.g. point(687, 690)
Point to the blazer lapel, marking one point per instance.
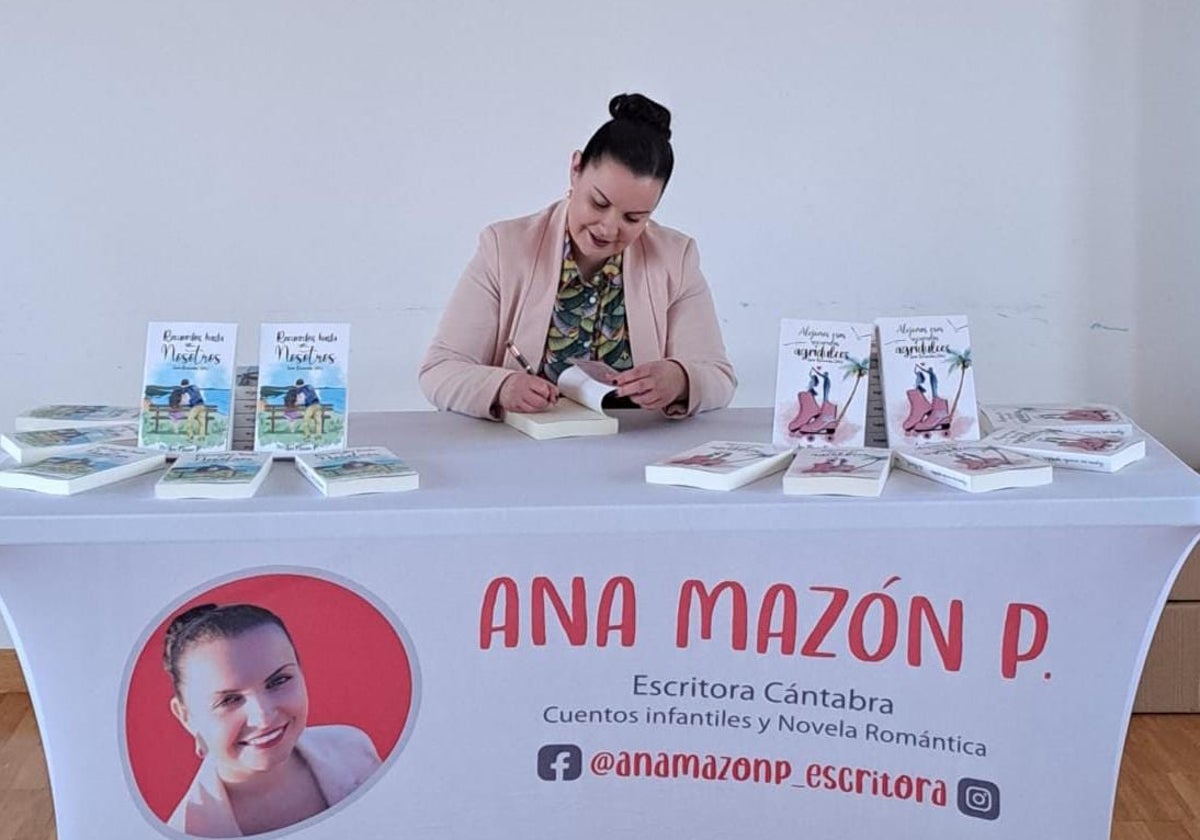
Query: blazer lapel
point(644, 341)
point(540, 289)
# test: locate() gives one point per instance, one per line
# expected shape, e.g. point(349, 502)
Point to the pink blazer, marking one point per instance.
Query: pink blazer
point(508, 289)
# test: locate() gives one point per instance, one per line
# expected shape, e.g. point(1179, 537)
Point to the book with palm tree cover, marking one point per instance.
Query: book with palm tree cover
point(821, 383)
point(974, 467)
point(928, 379)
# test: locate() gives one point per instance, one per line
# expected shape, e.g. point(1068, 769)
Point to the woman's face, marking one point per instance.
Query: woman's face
point(244, 699)
point(608, 208)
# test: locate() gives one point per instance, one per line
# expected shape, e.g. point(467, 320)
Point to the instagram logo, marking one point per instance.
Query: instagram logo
point(559, 763)
point(979, 799)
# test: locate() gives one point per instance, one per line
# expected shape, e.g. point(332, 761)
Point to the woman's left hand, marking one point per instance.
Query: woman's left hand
point(654, 384)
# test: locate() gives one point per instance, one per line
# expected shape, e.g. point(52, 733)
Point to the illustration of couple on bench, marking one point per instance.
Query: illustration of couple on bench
point(184, 403)
point(301, 406)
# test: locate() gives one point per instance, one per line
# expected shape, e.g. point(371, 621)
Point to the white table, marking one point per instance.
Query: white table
point(1021, 713)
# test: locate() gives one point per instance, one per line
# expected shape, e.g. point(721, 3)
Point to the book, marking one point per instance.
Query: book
point(64, 475)
point(31, 447)
point(214, 475)
point(928, 380)
point(303, 393)
point(75, 417)
point(719, 465)
point(1106, 451)
point(1078, 417)
point(821, 383)
point(583, 388)
point(187, 391)
point(364, 469)
point(838, 471)
point(974, 467)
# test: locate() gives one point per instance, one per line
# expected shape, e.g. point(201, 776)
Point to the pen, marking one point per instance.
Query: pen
point(512, 348)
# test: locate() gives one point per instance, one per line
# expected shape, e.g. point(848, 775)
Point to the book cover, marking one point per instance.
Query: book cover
point(364, 469)
point(31, 447)
point(64, 475)
point(303, 395)
point(719, 465)
point(214, 475)
point(1078, 417)
point(583, 388)
point(821, 383)
point(838, 471)
point(75, 417)
point(928, 379)
point(974, 467)
point(1094, 451)
point(187, 393)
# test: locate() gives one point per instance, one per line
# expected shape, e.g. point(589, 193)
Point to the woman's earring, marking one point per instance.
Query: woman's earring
point(568, 192)
point(201, 747)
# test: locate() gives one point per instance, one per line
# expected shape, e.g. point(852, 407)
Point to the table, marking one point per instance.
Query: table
point(540, 644)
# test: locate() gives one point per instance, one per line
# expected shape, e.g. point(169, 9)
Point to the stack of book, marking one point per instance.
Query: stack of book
point(245, 407)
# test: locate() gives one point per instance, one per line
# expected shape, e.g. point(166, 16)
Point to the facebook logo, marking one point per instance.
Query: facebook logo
point(560, 763)
point(979, 799)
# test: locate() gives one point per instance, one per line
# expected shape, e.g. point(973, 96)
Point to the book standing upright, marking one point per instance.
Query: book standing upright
point(303, 372)
point(187, 392)
point(821, 383)
point(928, 380)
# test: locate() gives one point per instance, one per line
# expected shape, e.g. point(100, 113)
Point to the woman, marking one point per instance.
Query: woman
point(588, 277)
point(240, 693)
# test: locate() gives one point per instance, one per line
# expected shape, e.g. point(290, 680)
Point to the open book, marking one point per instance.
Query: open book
point(579, 412)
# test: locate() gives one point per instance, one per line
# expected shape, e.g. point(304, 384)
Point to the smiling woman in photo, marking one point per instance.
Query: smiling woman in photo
point(239, 691)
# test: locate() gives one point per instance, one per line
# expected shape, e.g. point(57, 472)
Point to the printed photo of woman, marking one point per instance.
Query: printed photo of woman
point(240, 693)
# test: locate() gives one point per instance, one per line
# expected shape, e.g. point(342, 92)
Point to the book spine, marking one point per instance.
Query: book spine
point(935, 473)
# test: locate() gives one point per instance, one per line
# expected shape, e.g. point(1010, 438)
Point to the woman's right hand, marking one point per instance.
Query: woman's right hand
point(526, 393)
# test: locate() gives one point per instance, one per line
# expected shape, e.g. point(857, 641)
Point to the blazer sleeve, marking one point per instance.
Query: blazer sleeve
point(458, 372)
point(694, 341)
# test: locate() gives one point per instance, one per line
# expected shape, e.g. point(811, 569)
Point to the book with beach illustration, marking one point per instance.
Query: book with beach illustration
point(65, 475)
point(31, 447)
point(303, 374)
point(214, 475)
point(187, 390)
point(364, 469)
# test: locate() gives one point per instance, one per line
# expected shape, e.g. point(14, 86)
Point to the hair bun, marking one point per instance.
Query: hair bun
point(642, 109)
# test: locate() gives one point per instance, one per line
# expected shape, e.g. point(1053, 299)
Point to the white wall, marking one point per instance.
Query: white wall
point(1030, 163)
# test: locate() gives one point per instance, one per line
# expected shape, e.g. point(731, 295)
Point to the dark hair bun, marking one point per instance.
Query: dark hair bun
point(637, 108)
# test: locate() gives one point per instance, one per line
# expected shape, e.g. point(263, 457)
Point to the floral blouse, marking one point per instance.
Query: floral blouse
point(589, 318)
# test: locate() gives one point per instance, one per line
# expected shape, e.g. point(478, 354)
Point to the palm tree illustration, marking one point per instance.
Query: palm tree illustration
point(858, 368)
point(960, 362)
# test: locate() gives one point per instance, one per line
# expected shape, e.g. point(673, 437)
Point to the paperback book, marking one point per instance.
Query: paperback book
point(1106, 451)
point(214, 475)
point(76, 417)
point(928, 380)
point(719, 465)
point(1079, 417)
point(821, 383)
point(31, 447)
point(974, 467)
point(364, 469)
point(65, 475)
point(838, 471)
point(187, 395)
point(583, 388)
point(303, 372)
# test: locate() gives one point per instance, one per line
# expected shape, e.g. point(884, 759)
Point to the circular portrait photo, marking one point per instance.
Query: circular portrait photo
point(264, 702)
